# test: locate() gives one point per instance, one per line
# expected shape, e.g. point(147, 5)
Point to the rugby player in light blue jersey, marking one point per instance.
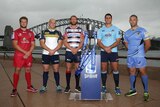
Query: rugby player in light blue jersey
point(109, 37)
point(137, 42)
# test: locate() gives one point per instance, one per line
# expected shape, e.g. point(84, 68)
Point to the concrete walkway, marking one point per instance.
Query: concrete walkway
point(53, 99)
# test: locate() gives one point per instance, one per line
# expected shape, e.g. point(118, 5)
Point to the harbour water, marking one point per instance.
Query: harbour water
point(150, 62)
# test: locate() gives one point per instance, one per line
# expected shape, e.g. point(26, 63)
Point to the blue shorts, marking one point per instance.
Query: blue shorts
point(47, 59)
point(136, 62)
point(112, 57)
point(70, 57)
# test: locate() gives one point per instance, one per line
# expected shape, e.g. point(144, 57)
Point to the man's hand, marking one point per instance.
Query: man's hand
point(108, 49)
point(27, 54)
point(74, 50)
point(51, 52)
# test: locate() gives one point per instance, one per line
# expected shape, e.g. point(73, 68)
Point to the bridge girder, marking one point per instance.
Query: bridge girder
point(65, 22)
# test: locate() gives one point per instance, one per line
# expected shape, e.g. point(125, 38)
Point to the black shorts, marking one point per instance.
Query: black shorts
point(47, 59)
point(112, 57)
point(70, 57)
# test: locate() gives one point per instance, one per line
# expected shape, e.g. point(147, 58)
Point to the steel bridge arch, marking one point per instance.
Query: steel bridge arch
point(62, 23)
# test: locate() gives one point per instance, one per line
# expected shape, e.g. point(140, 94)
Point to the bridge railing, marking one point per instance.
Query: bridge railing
point(39, 52)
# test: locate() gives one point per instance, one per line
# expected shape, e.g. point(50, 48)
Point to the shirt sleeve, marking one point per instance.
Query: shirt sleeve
point(118, 34)
point(42, 36)
point(32, 37)
point(60, 36)
point(99, 34)
point(65, 33)
point(14, 36)
point(82, 32)
point(125, 37)
point(145, 35)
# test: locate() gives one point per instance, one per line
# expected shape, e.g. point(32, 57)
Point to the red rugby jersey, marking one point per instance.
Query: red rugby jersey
point(24, 39)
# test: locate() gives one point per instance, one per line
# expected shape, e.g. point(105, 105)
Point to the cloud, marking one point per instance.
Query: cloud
point(39, 11)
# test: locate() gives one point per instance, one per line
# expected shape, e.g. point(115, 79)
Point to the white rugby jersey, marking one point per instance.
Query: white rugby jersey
point(51, 38)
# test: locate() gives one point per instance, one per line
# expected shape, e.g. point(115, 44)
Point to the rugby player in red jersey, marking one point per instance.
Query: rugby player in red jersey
point(23, 43)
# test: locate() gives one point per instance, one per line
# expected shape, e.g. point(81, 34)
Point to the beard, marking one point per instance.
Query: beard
point(23, 26)
point(75, 23)
point(133, 25)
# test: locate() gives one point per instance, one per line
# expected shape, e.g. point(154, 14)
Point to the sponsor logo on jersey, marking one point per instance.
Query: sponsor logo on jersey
point(24, 40)
point(108, 35)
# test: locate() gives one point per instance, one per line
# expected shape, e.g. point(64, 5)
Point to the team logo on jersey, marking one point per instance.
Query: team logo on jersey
point(112, 30)
point(20, 34)
point(138, 33)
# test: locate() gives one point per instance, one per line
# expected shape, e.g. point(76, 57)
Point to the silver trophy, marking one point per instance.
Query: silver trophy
point(88, 50)
point(90, 29)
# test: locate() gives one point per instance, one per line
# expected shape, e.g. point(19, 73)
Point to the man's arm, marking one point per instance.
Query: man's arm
point(32, 46)
point(28, 53)
point(115, 44)
point(60, 43)
point(43, 45)
point(81, 42)
point(100, 44)
point(126, 45)
point(147, 44)
point(15, 46)
point(65, 42)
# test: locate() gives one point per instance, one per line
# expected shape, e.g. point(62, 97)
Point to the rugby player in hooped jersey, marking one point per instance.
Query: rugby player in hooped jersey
point(138, 43)
point(51, 42)
point(73, 41)
point(23, 43)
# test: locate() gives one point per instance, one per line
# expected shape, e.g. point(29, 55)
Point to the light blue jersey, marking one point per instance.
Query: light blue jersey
point(135, 39)
point(108, 36)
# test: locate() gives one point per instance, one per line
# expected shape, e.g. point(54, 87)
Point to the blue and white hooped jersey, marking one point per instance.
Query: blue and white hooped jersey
point(51, 38)
point(74, 36)
point(108, 36)
point(135, 39)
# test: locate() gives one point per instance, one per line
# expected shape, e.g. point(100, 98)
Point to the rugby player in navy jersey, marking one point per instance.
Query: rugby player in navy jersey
point(51, 42)
point(73, 41)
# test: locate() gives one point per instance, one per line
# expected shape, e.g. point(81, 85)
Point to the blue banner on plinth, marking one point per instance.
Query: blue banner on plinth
point(91, 79)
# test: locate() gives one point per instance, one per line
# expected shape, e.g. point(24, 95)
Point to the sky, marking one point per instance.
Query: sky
point(39, 11)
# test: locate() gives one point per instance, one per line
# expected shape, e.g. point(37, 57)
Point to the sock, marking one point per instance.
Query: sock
point(56, 77)
point(77, 78)
point(145, 82)
point(15, 80)
point(28, 78)
point(116, 78)
point(104, 77)
point(132, 81)
point(45, 78)
point(68, 77)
